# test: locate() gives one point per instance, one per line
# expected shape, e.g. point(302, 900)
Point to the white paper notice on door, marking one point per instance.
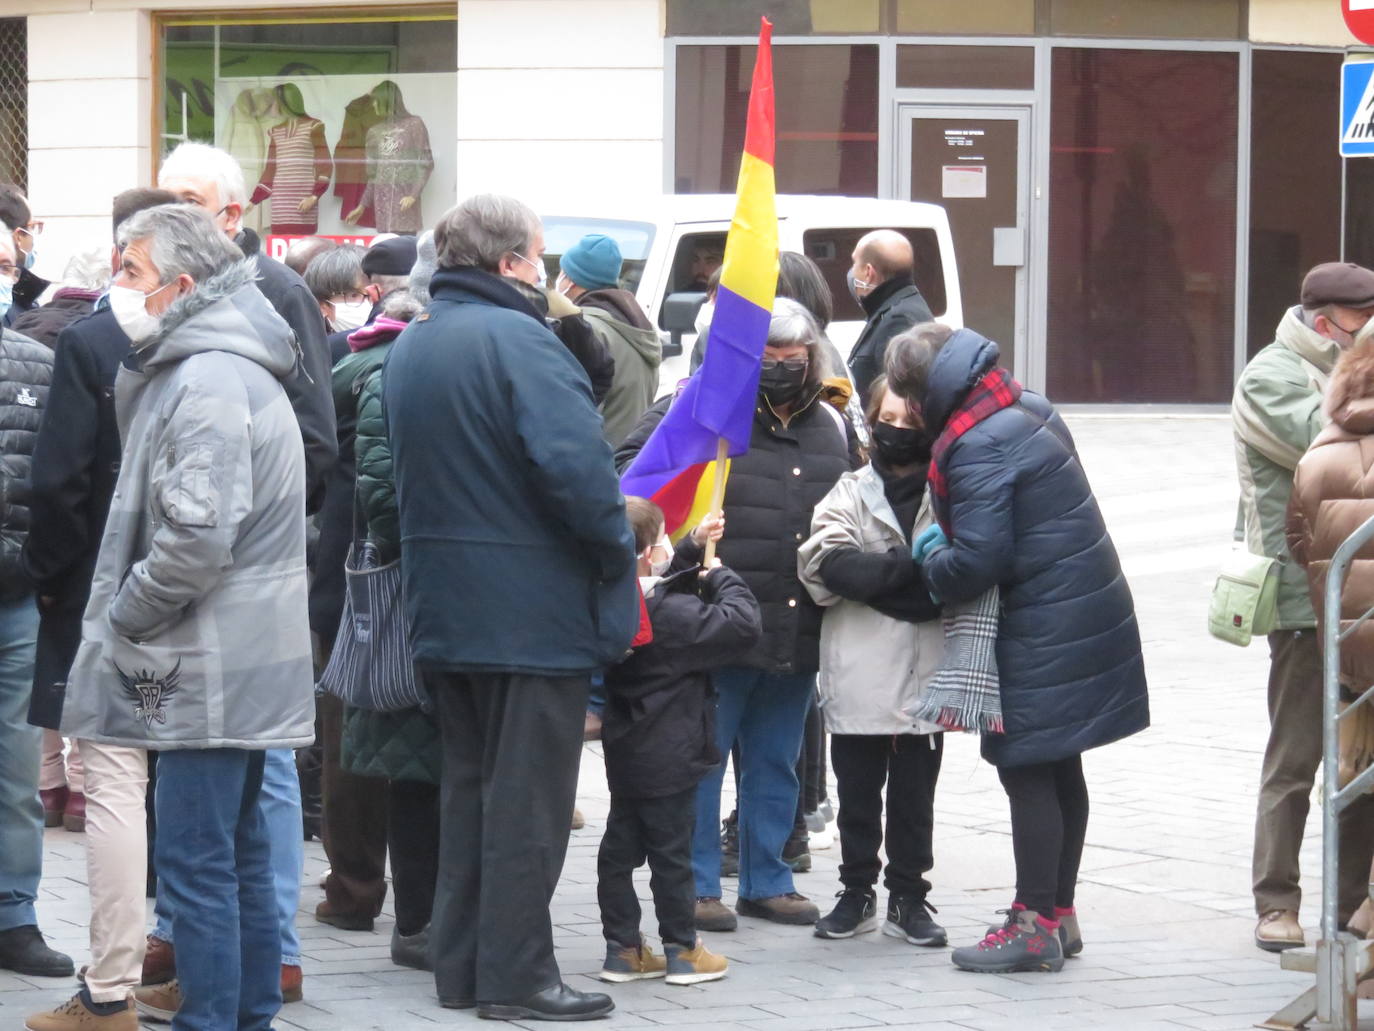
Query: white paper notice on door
point(964, 180)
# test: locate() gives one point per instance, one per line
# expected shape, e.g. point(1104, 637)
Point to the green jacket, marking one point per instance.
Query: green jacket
point(1276, 413)
point(358, 391)
point(616, 319)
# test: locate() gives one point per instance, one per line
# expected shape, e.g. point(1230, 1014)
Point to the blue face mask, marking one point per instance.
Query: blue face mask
point(6, 295)
point(30, 258)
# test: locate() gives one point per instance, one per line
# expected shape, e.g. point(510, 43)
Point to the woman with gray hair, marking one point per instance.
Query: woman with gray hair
point(203, 548)
point(1017, 518)
point(797, 450)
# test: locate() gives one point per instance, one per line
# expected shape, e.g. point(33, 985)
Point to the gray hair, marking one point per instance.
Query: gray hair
point(482, 230)
point(792, 325)
point(193, 160)
point(402, 306)
point(426, 260)
point(88, 269)
point(335, 271)
point(183, 239)
point(910, 356)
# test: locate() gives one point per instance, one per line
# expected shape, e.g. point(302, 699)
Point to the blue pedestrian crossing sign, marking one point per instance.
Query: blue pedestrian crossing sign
point(1357, 108)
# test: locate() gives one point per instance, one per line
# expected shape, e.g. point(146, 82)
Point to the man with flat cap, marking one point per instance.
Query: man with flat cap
point(387, 266)
point(881, 279)
point(1276, 414)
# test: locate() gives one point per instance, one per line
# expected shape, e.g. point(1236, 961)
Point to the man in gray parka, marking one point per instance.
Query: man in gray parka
point(195, 641)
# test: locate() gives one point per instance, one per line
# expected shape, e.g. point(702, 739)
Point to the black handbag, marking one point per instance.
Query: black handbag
point(371, 666)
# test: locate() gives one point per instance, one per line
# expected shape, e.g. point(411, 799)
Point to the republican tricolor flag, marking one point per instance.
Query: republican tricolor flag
point(677, 467)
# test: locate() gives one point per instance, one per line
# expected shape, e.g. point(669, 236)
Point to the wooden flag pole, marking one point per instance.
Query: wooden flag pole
point(717, 494)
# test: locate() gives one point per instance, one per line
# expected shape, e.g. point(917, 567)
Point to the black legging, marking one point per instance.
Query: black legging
point(413, 840)
point(1049, 821)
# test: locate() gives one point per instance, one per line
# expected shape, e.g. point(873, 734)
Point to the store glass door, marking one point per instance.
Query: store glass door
point(974, 161)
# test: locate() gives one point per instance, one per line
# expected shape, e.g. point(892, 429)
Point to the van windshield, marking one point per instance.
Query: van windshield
point(633, 238)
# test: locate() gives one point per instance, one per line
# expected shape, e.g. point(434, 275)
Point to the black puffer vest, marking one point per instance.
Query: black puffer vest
point(25, 373)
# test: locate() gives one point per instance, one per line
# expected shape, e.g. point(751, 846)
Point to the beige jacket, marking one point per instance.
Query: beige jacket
point(873, 667)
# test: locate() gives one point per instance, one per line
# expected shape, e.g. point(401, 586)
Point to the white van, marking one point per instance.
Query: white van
point(671, 243)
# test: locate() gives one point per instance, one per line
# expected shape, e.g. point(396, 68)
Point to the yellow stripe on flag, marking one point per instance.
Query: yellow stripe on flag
point(751, 250)
point(701, 501)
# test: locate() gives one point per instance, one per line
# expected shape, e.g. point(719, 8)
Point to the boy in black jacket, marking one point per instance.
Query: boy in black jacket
point(658, 737)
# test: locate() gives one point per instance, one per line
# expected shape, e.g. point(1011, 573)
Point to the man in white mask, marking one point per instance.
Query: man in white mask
point(1276, 414)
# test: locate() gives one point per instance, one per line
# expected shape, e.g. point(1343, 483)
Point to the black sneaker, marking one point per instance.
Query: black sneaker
point(23, 950)
point(855, 913)
point(909, 917)
point(729, 846)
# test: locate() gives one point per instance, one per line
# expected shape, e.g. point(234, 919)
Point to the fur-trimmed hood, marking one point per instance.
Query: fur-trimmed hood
point(228, 313)
point(1349, 399)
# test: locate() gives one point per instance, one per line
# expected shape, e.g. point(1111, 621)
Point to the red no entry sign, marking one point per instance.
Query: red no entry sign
point(1359, 18)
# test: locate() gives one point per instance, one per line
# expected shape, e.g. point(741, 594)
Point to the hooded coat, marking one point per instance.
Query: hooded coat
point(616, 318)
point(1023, 518)
point(196, 633)
point(1333, 494)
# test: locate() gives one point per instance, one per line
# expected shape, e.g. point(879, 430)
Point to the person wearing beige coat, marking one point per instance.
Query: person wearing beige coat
point(881, 642)
point(1333, 494)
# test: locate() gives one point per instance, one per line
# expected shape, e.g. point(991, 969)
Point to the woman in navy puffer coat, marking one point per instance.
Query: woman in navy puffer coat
point(1022, 517)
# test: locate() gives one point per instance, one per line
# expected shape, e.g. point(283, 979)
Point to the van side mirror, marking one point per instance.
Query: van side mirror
point(679, 316)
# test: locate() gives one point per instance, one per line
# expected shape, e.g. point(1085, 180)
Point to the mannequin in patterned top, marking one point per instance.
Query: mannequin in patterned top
point(298, 167)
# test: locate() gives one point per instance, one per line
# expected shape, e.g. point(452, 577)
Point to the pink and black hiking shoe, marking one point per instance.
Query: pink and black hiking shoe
point(1027, 942)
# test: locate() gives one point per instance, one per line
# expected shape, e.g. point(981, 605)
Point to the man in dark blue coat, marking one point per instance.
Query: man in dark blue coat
point(1009, 492)
point(519, 573)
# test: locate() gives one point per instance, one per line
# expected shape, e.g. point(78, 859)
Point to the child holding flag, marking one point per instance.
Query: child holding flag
point(659, 741)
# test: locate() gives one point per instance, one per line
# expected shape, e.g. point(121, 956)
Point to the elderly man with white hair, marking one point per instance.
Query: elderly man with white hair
point(204, 547)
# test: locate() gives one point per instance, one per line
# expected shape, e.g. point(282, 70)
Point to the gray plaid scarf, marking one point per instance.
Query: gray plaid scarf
point(964, 693)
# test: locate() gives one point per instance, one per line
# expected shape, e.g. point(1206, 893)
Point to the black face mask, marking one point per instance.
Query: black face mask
point(898, 445)
point(782, 385)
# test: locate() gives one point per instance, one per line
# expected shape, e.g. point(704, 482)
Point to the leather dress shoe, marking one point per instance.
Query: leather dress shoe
point(557, 1003)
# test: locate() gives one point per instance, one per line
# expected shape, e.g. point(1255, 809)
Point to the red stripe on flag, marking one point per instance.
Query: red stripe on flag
point(676, 496)
point(758, 134)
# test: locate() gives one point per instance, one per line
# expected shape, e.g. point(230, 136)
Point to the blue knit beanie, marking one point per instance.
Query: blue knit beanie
point(593, 263)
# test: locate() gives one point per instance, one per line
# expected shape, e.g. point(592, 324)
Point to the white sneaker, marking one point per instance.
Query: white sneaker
point(821, 840)
point(325, 876)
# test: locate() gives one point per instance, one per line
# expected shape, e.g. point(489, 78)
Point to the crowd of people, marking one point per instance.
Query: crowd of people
point(205, 451)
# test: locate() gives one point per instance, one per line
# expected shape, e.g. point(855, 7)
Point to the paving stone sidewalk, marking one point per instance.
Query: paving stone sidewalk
point(1164, 901)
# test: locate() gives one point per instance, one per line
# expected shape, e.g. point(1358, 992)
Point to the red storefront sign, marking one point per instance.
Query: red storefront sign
point(276, 245)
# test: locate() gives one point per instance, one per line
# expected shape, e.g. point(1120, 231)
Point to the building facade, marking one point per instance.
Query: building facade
point(1135, 186)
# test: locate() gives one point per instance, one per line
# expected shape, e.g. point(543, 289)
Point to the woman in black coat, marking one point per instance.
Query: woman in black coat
point(1012, 498)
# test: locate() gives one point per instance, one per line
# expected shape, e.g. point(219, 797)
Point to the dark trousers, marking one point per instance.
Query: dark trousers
point(909, 764)
point(354, 824)
point(511, 748)
point(412, 834)
point(810, 771)
point(659, 830)
point(1049, 822)
point(1290, 766)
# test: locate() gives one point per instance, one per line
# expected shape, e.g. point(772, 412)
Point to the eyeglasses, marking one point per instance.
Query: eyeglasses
point(32, 229)
point(790, 364)
point(353, 298)
point(538, 266)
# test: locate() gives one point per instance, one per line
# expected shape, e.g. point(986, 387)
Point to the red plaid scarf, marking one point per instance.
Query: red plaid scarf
point(992, 393)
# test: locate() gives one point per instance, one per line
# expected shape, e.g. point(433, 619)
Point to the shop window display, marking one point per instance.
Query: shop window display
point(344, 129)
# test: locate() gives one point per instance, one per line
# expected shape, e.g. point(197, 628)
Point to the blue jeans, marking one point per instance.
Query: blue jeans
point(214, 864)
point(281, 808)
point(21, 814)
point(766, 713)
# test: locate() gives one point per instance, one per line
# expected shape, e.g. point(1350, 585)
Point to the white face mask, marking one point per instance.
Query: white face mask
point(130, 309)
point(660, 567)
point(704, 315)
point(351, 315)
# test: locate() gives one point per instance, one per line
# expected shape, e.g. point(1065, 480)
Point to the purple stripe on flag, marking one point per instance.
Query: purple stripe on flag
point(729, 375)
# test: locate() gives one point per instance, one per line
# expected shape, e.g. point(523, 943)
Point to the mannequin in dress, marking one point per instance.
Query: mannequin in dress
point(399, 163)
point(298, 167)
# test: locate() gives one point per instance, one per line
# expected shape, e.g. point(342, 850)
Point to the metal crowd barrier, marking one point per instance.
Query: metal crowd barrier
point(1340, 960)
